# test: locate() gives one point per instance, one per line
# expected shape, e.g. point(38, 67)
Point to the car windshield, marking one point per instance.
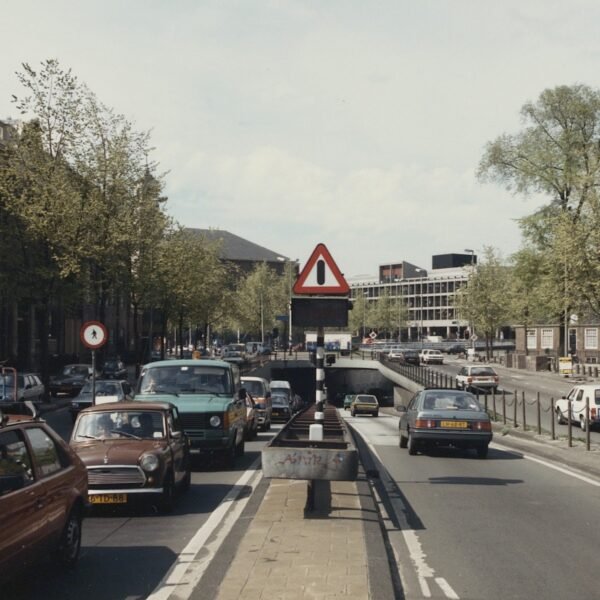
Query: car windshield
point(124, 424)
point(8, 380)
point(450, 401)
point(280, 401)
point(75, 370)
point(185, 379)
point(283, 392)
point(256, 388)
point(111, 364)
point(103, 388)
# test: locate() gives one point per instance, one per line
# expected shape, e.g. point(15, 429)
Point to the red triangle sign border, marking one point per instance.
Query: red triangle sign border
point(321, 252)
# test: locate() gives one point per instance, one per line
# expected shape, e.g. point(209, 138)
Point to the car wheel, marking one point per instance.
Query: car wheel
point(186, 482)
point(482, 451)
point(70, 540)
point(376, 414)
point(583, 423)
point(559, 417)
point(352, 413)
point(403, 441)
point(411, 444)
point(167, 498)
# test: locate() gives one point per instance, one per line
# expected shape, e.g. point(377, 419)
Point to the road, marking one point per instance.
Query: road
point(125, 553)
point(504, 527)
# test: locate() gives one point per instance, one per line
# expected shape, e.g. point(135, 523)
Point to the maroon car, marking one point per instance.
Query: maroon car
point(133, 451)
point(43, 495)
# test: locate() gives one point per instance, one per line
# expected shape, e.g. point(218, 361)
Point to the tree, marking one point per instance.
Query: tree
point(360, 318)
point(388, 314)
point(483, 301)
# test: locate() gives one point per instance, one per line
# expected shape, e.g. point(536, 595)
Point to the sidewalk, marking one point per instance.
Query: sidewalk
point(287, 555)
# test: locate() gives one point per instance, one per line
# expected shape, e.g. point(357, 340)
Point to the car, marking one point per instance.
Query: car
point(456, 349)
point(107, 390)
point(409, 357)
point(251, 430)
point(477, 378)
point(258, 388)
point(114, 369)
point(29, 386)
point(580, 397)
point(281, 409)
point(234, 353)
point(43, 495)
point(284, 388)
point(364, 404)
point(210, 399)
point(444, 417)
point(394, 355)
point(431, 357)
point(133, 451)
point(348, 401)
point(71, 379)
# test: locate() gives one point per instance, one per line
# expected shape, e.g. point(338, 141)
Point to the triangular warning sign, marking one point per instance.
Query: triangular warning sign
point(321, 275)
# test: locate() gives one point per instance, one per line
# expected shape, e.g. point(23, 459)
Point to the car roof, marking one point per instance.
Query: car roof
point(252, 378)
point(280, 383)
point(188, 362)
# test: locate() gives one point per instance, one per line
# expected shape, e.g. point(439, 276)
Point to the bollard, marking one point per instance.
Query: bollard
point(587, 424)
point(485, 401)
point(504, 407)
point(539, 415)
point(569, 424)
point(552, 426)
point(524, 416)
point(515, 424)
point(494, 404)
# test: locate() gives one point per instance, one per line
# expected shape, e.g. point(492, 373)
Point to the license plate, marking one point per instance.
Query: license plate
point(108, 499)
point(454, 424)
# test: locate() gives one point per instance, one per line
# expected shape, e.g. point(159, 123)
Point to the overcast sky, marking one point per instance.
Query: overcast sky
point(292, 122)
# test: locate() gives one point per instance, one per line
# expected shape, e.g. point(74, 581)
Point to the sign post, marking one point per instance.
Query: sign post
point(93, 335)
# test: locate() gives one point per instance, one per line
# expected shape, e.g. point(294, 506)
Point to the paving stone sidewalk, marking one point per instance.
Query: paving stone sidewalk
point(285, 555)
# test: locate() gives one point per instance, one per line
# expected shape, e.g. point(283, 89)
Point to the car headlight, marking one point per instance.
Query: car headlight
point(215, 421)
point(149, 462)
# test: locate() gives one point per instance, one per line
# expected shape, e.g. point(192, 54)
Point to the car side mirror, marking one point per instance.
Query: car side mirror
point(242, 394)
point(401, 408)
point(177, 435)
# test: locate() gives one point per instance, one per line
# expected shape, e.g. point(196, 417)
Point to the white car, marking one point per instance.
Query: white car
point(477, 378)
point(431, 357)
point(579, 396)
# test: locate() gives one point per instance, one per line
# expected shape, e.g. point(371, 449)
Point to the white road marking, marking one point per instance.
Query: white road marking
point(445, 586)
point(188, 565)
point(550, 465)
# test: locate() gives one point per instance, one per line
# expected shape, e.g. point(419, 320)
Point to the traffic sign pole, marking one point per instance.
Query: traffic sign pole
point(93, 335)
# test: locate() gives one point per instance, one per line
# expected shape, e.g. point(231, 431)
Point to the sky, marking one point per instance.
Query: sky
point(290, 123)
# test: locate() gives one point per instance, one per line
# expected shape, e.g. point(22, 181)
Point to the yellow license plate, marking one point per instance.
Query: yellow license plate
point(454, 424)
point(108, 499)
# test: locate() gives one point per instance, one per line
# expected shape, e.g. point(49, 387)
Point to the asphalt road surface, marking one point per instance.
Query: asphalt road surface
point(466, 528)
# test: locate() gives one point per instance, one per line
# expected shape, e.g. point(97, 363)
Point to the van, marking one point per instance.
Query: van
point(259, 389)
point(283, 388)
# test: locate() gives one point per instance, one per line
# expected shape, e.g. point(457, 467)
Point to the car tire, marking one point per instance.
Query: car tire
point(482, 451)
point(376, 414)
point(167, 498)
point(583, 423)
point(403, 441)
point(240, 449)
point(352, 413)
point(559, 417)
point(411, 444)
point(70, 540)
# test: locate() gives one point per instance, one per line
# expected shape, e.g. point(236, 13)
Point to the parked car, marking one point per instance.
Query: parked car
point(70, 380)
point(43, 493)
point(281, 409)
point(364, 404)
point(444, 417)
point(29, 387)
point(114, 369)
point(580, 397)
point(210, 400)
point(409, 357)
point(348, 401)
point(477, 378)
point(431, 357)
point(251, 430)
point(258, 388)
point(107, 390)
point(133, 451)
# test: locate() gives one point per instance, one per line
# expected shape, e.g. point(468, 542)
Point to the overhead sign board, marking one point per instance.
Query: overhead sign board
point(321, 275)
point(320, 312)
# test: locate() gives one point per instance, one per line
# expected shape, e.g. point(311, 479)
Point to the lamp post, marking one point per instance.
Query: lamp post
point(421, 326)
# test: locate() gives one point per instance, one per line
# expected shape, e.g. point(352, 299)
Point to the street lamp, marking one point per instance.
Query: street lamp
point(421, 327)
point(471, 326)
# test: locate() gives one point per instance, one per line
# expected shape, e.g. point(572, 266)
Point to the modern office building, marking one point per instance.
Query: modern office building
point(427, 295)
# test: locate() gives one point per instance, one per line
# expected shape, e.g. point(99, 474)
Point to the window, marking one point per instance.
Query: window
point(547, 338)
point(15, 464)
point(590, 338)
point(47, 456)
point(531, 338)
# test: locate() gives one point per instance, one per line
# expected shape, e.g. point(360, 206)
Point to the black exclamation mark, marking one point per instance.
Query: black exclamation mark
point(321, 272)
